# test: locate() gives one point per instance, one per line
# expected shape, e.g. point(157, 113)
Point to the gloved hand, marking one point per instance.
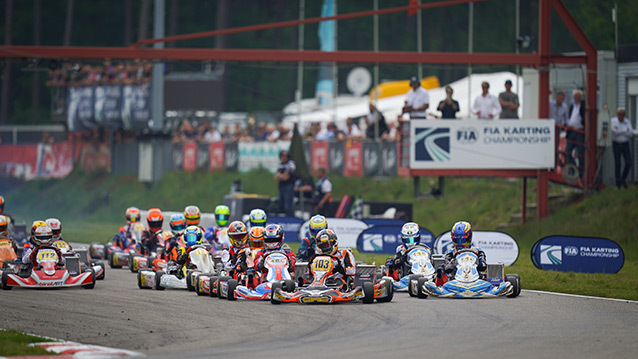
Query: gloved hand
point(440, 271)
point(339, 268)
point(389, 262)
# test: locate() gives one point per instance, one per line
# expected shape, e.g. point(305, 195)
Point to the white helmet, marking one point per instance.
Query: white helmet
point(56, 227)
point(410, 234)
point(43, 236)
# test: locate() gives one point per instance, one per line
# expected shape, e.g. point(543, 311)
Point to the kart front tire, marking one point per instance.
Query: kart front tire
point(189, 281)
point(212, 292)
point(92, 284)
point(368, 292)
point(103, 274)
point(219, 285)
point(411, 290)
point(387, 282)
point(5, 277)
point(139, 280)
point(158, 278)
point(288, 286)
point(273, 287)
point(112, 261)
point(515, 280)
point(198, 290)
point(232, 284)
point(419, 288)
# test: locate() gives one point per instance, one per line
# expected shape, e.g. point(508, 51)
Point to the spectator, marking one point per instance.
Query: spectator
point(326, 133)
point(486, 105)
point(244, 136)
point(392, 134)
point(339, 135)
point(227, 136)
point(285, 134)
point(304, 187)
point(558, 109)
point(509, 102)
point(352, 130)
point(621, 133)
point(273, 134)
point(375, 119)
point(237, 133)
point(448, 107)
point(208, 133)
point(47, 138)
point(575, 131)
point(311, 132)
point(323, 191)
point(285, 176)
point(185, 132)
point(417, 100)
point(261, 133)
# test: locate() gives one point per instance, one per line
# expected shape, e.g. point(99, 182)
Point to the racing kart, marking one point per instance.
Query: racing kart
point(322, 288)
point(208, 283)
point(46, 273)
point(418, 265)
point(467, 281)
point(277, 264)
point(83, 256)
point(176, 278)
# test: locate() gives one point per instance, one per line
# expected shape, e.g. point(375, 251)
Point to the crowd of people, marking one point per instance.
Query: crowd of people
point(108, 73)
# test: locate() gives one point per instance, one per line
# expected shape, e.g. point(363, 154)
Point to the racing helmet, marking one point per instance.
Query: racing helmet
point(35, 225)
point(56, 227)
point(461, 235)
point(4, 223)
point(177, 224)
point(43, 236)
point(155, 219)
point(132, 215)
point(238, 234)
point(256, 237)
point(1, 204)
point(258, 218)
point(327, 242)
point(222, 214)
point(193, 236)
point(273, 237)
point(316, 225)
point(193, 215)
point(410, 234)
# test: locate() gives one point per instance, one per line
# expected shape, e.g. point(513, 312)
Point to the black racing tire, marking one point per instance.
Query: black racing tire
point(149, 262)
point(515, 280)
point(219, 285)
point(411, 290)
point(273, 287)
point(103, 275)
point(93, 280)
point(111, 262)
point(368, 292)
point(198, 290)
point(212, 286)
point(158, 278)
point(288, 285)
point(189, 281)
point(139, 280)
point(419, 286)
point(134, 266)
point(232, 284)
point(5, 277)
point(387, 282)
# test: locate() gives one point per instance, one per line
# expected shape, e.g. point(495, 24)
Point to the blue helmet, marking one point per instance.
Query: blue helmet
point(177, 223)
point(461, 235)
point(193, 236)
point(258, 218)
point(410, 234)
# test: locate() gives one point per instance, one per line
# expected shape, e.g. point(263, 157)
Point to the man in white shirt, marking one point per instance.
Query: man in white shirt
point(621, 133)
point(576, 132)
point(486, 106)
point(352, 130)
point(558, 109)
point(417, 100)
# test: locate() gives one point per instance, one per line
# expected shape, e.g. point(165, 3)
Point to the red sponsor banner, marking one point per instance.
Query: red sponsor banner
point(94, 158)
point(354, 164)
point(19, 161)
point(190, 156)
point(55, 160)
point(216, 156)
point(320, 154)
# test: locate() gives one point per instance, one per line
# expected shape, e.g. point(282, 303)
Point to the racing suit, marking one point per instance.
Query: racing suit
point(450, 261)
point(217, 237)
point(345, 268)
point(261, 255)
point(306, 248)
point(122, 238)
point(8, 250)
point(30, 256)
point(396, 266)
point(150, 241)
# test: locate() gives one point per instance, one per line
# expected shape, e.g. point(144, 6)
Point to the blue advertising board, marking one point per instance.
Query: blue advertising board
point(290, 226)
point(385, 239)
point(578, 254)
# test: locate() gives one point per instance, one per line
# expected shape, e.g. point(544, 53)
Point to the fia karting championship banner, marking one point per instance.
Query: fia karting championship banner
point(480, 144)
point(498, 246)
point(578, 254)
point(385, 239)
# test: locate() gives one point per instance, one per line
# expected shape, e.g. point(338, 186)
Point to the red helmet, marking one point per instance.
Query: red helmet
point(155, 219)
point(238, 234)
point(132, 214)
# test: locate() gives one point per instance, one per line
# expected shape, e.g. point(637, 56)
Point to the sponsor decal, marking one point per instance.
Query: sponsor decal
point(498, 246)
point(432, 144)
point(385, 239)
point(578, 254)
point(316, 300)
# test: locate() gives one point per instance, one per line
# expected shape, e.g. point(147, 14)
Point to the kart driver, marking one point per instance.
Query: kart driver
point(462, 238)
point(193, 237)
point(273, 241)
point(345, 268)
point(256, 239)
point(121, 239)
point(150, 240)
point(215, 235)
point(43, 238)
point(193, 216)
point(30, 244)
point(257, 218)
point(172, 242)
point(8, 247)
point(308, 244)
point(411, 238)
point(238, 259)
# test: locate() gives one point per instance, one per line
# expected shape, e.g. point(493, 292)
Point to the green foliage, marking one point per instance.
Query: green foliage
point(13, 342)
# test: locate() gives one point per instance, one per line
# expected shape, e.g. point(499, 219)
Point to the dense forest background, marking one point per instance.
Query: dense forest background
point(270, 86)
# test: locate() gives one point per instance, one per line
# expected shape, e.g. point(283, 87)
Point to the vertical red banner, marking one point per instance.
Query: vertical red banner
point(354, 163)
point(216, 156)
point(320, 152)
point(190, 156)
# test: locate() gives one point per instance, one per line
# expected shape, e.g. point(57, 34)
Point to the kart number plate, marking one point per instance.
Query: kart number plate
point(322, 264)
point(61, 245)
point(47, 255)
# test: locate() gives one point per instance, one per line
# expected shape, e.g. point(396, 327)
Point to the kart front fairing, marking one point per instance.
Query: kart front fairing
point(419, 262)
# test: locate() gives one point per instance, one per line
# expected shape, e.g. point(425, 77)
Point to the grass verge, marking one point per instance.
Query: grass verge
point(13, 342)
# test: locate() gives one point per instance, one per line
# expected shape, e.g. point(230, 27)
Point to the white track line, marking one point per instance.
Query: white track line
point(580, 296)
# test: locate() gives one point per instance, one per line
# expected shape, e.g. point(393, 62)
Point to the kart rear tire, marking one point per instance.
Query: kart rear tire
point(92, 284)
point(212, 293)
point(139, 280)
point(219, 285)
point(515, 280)
point(288, 286)
point(189, 281)
point(274, 286)
point(158, 277)
point(132, 265)
point(232, 284)
point(198, 290)
point(419, 286)
point(411, 290)
point(101, 276)
point(387, 282)
point(368, 292)
point(5, 277)
point(111, 262)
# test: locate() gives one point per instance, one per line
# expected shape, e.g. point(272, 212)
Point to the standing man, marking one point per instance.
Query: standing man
point(323, 194)
point(448, 107)
point(486, 105)
point(621, 133)
point(575, 132)
point(509, 102)
point(558, 109)
point(417, 100)
point(285, 176)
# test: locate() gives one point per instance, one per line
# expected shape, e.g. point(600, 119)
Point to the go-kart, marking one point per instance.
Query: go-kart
point(278, 276)
point(137, 261)
point(177, 278)
point(324, 289)
point(208, 283)
point(46, 273)
point(467, 282)
point(418, 265)
point(8, 257)
point(83, 256)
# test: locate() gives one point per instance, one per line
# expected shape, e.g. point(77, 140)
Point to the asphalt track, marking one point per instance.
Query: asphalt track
point(179, 324)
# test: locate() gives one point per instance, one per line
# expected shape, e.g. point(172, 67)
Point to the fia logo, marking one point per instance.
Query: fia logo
point(571, 251)
point(467, 135)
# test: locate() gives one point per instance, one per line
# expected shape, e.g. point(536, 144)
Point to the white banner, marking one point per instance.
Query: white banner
point(482, 144)
point(498, 246)
point(264, 154)
point(347, 230)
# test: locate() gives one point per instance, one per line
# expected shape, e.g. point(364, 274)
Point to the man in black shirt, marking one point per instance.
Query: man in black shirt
point(448, 107)
point(285, 175)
